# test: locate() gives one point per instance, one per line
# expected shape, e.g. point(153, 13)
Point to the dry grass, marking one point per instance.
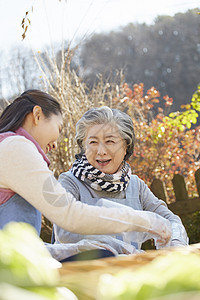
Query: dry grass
point(62, 82)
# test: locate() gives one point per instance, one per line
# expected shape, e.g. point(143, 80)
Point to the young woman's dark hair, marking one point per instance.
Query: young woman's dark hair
point(14, 114)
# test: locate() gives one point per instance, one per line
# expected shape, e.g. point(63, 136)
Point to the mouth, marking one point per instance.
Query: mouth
point(103, 162)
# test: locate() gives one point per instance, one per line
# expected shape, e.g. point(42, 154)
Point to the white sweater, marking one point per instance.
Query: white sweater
point(23, 170)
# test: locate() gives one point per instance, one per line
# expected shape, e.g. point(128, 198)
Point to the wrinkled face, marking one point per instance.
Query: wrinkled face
point(47, 131)
point(104, 147)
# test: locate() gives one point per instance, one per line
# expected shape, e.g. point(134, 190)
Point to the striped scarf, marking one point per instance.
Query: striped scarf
point(98, 180)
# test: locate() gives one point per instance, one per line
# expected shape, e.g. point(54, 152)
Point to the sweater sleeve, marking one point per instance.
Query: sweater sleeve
point(24, 171)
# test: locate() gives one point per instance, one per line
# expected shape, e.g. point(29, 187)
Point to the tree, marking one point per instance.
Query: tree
point(162, 149)
point(20, 73)
point(165, 55)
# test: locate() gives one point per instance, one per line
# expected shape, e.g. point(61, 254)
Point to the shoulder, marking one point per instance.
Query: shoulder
point(19, 150)
point(15, 147)
point(68, 181)
point(66, 176)
point(137, 184)
point(136, 180)
point(16, 142)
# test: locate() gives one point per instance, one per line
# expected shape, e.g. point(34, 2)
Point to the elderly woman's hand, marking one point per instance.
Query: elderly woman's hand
point(161, 231)
point(158, 227)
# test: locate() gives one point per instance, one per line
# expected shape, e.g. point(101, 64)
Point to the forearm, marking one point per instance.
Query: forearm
point(26, 173)
point(152, 203)
point(60, 207)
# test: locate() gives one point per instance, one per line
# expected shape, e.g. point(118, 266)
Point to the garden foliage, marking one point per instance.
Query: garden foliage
point(165, 142)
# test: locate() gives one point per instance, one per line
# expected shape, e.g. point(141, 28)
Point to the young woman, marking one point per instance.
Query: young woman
point(29, 128)
point(106, 140)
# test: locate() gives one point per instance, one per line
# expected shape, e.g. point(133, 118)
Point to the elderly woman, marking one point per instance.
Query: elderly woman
point(100, 175)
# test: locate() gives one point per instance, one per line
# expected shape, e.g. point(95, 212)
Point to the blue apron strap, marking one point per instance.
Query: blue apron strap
point(17, 209)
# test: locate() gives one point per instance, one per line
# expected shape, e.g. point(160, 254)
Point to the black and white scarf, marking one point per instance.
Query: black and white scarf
point(100, 181)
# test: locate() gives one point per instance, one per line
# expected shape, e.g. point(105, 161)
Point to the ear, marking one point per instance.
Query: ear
point(37, 113)
point(125, 148)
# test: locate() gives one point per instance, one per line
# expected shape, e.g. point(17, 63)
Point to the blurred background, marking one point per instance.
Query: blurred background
point(155, 42)
point(142, 57)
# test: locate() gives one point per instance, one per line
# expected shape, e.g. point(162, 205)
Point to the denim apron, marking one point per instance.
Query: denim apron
point(17, 209)
point(132, 199)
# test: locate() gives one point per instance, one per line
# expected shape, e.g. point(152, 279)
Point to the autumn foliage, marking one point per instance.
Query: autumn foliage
point(165, 142)
point(162, 149)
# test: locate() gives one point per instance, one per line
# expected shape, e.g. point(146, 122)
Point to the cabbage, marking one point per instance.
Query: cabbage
point(27, 270)
point(174, 273)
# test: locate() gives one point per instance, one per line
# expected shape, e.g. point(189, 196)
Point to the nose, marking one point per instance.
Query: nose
point(54, 145)
point(101, 149)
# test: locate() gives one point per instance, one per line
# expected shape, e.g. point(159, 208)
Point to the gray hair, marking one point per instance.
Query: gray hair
point(104, 115)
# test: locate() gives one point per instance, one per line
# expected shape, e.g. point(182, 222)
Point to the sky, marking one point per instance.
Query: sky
point(53, 21)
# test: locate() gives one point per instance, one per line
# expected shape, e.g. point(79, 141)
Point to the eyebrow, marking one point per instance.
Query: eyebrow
point(107, 136)
point(111, 136)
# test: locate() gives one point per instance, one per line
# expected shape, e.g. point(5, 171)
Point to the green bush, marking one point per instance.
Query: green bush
point(191, 223)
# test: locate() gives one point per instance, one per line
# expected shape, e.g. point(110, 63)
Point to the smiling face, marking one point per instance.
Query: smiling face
point(44, 130)
point(104, 147)
point(48, 131)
